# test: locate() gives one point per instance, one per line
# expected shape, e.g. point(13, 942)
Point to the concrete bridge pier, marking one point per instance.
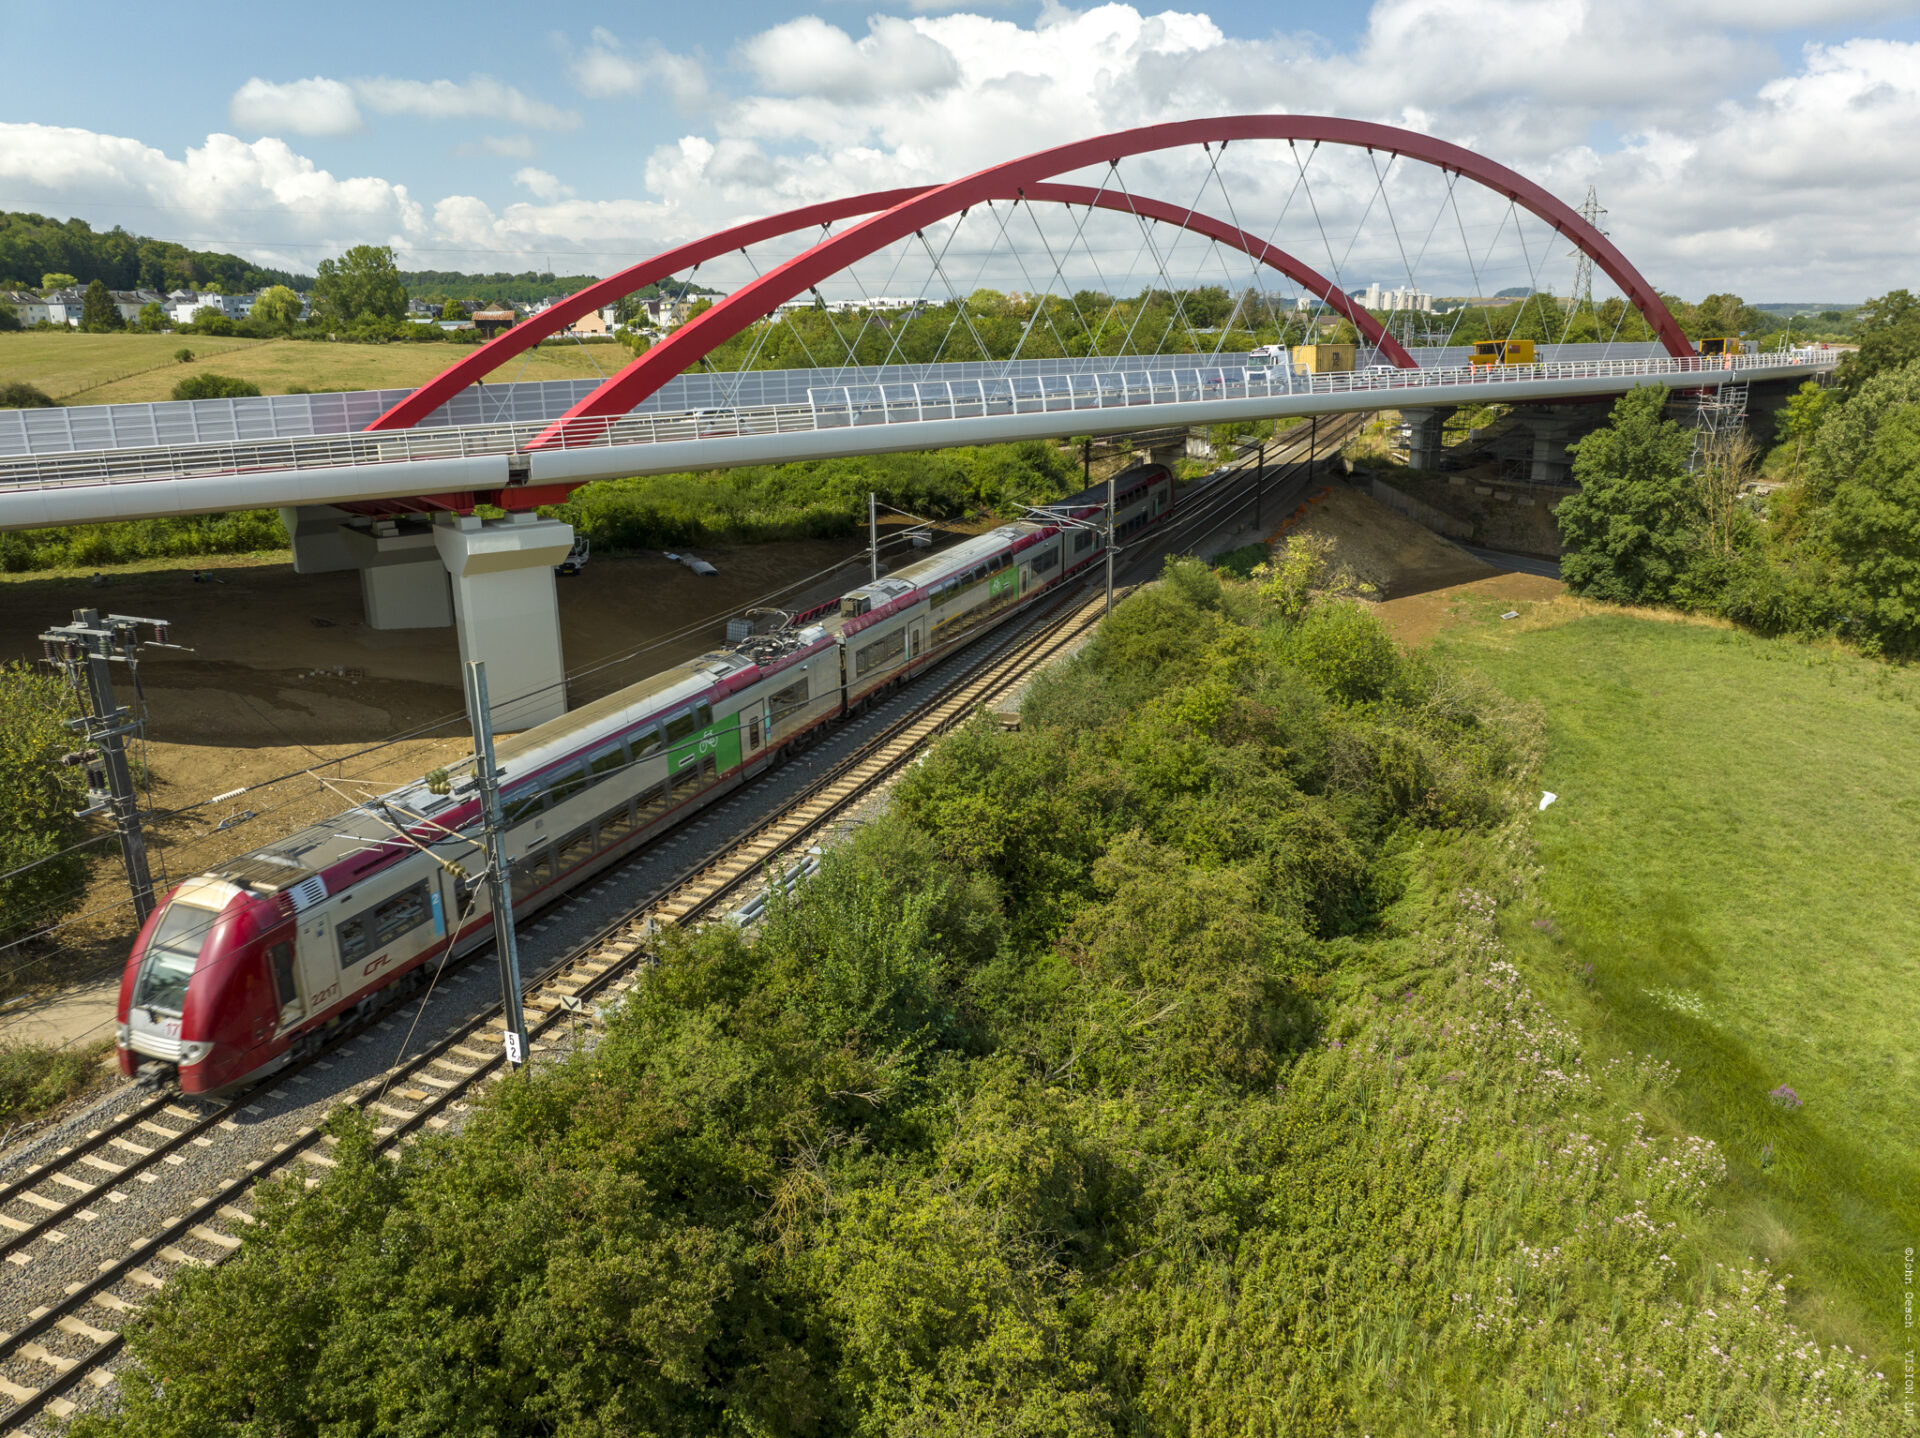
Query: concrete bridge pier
point(314, 532)
point(1553, 427)
point(1423, 439)
point(506, 611)
point(403, 584)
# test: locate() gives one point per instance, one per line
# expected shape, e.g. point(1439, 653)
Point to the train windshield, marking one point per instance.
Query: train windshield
point(171, 955)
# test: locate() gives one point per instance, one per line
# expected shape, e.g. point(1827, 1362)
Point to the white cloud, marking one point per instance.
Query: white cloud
point(295, 211)
point(318, 106)
point(481, 96)
point(544, 186)
point(605, 68)
point(506, 147)
point(807, 56)
point(1722, 165)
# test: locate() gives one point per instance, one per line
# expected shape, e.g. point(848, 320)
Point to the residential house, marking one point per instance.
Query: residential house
point(27, 307)
point(593, 323)
point(494, 318)
point(183, 305)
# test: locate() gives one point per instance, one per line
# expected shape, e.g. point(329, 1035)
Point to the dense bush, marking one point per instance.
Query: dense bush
point(813, 500)
point(208, 385)
point(37, 798)
point(1154, 1069)
point(78, 546)
point(20, 395)
point(1833, 554)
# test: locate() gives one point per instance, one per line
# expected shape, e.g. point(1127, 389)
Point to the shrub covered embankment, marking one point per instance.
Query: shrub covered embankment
point(1153, 1069)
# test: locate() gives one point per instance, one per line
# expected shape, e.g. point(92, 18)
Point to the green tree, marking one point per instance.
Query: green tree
point(278, 306)
point(364, 283)
point(208, 385)
point(1628, 530)
point(57, 281)
point(20, 395)
point(1875, 525)
point(98, 313)
point(1841, 445)
point(1888, 329)
point(1805, 411)
point(38, 795)
point(453, 310)
point(153, 317)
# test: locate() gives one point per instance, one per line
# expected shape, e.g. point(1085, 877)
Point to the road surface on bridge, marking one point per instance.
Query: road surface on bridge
point(499, 464)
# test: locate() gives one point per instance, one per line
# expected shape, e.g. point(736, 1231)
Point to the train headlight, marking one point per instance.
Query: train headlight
point(123, 1034)
point(192, 1053)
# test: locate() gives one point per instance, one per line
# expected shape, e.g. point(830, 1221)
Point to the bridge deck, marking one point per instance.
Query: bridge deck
point(103, 484)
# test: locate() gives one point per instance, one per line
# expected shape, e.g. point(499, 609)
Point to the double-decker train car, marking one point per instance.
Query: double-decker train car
point(254, 964)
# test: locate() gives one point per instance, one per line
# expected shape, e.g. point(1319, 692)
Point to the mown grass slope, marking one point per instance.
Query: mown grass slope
point(123, 368)
point(1729, 881)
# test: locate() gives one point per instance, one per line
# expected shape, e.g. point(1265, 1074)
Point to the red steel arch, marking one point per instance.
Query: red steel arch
point(481, 362)
point(756, 301)
point(525, 335)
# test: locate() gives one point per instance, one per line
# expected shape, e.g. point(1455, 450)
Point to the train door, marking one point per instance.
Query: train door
point(317, 960)
point(282, 972)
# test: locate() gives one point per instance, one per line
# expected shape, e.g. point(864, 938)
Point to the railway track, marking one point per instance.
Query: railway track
point(71, 1342)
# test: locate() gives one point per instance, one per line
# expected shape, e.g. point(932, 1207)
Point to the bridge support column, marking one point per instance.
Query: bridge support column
point(314, 531)
point(1553, 428)
point(1423, 438)
point(506, 611)
point(403, 584)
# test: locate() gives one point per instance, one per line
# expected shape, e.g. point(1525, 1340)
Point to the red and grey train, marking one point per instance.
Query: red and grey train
point(251, 965)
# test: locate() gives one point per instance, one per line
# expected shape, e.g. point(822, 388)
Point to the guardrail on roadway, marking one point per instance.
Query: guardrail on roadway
point(855, 406)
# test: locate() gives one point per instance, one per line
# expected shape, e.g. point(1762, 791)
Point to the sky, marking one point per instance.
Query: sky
point(1733, 147)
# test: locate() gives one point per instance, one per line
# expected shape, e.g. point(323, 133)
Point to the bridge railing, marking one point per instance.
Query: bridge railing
point(848, 406)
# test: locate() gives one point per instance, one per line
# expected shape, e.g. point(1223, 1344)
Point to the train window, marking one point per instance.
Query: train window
point(285, 991)
point(531, 874)
point(563, 787)
point(607, 761)
point(523, 807)
point(880, 653)
point(783, 702)
point(1047, 559)
point(403, 913)
point(1082, 540)
point(576, 847)
point(617, 825)
point(680, 726)
point(705, 714)
point(655, 801)
point(373, 929)
point(171, 955)
point(645, 743)
point(753, 731)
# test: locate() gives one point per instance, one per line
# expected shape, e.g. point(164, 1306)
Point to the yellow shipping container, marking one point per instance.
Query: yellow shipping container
point(1323, 359)
point(1496, 352)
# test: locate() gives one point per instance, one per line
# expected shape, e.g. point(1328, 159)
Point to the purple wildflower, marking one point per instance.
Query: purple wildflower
point(1786, 1098)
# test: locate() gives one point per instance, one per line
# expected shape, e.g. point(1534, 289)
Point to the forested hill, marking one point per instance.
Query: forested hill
point(522, 288)
point(34, 246)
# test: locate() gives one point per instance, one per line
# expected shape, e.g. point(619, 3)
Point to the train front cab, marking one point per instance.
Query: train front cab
point(209, 990)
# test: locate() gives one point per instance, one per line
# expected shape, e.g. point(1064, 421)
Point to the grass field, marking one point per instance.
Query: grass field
point(120, 369)
point(1729, 882)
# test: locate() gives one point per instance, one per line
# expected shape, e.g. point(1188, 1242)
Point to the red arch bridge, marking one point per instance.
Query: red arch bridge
point(1120, 283)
